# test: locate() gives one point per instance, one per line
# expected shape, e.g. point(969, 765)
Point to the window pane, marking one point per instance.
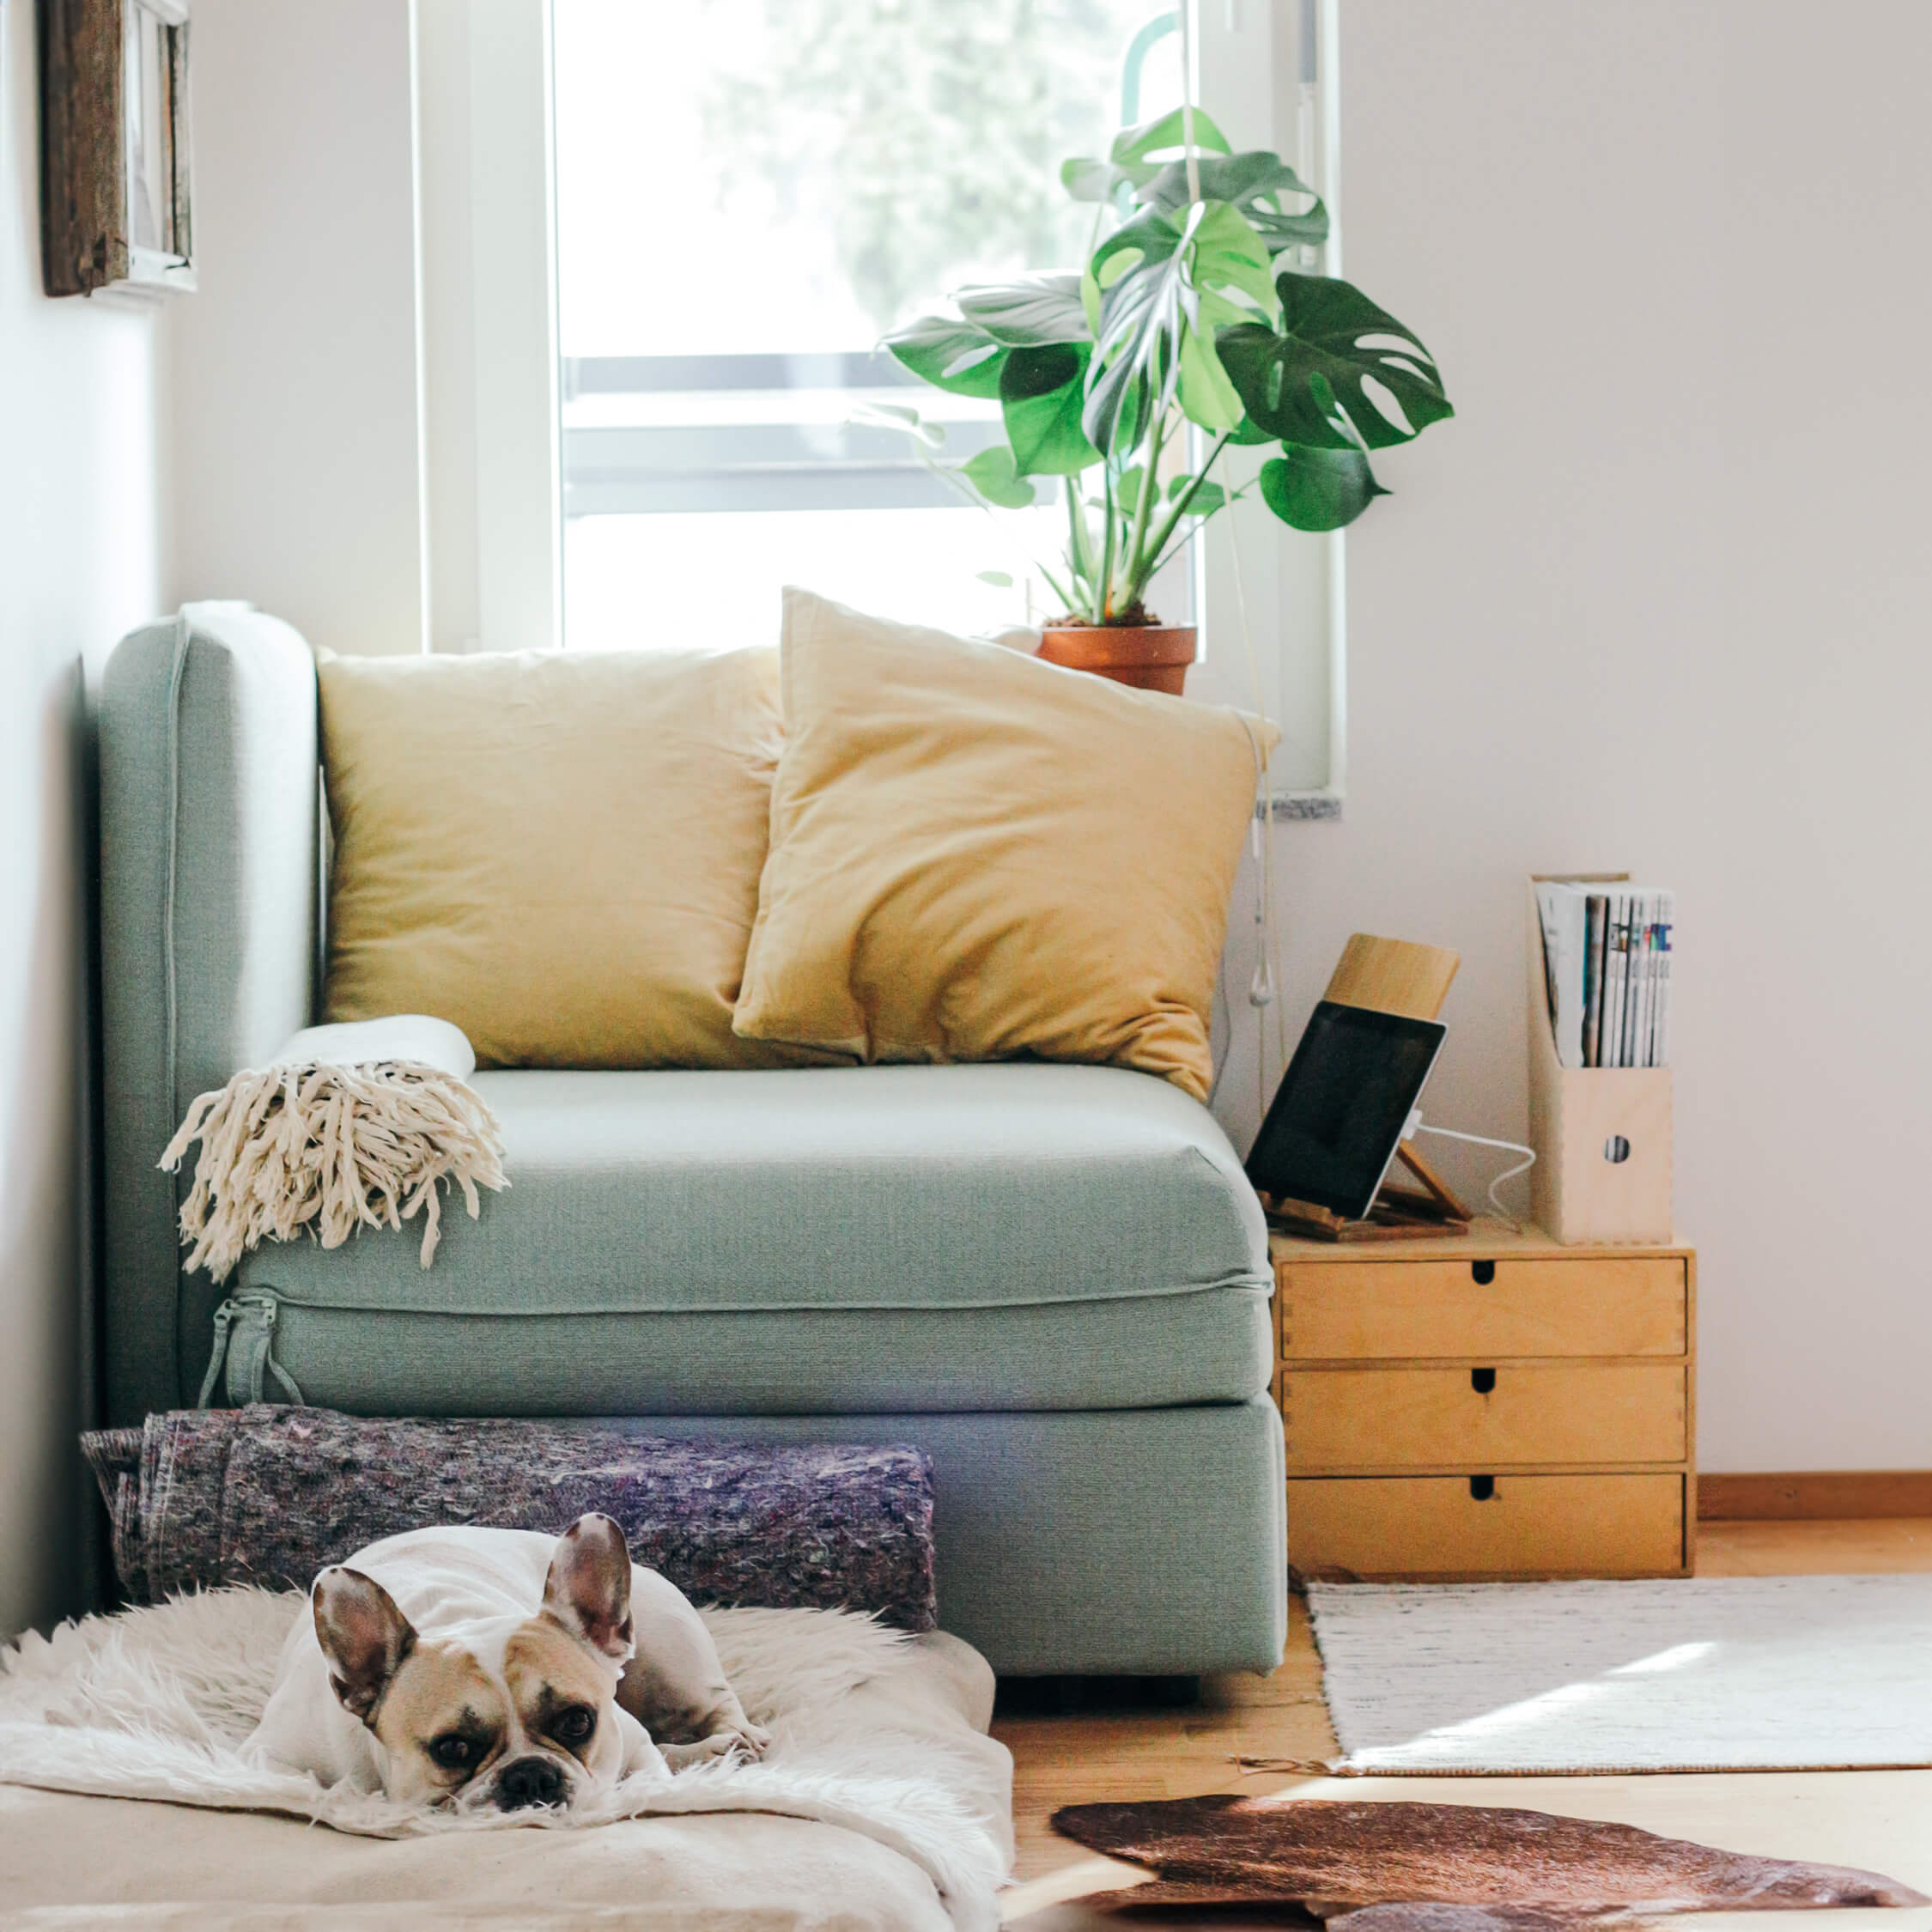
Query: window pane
point(749, 192)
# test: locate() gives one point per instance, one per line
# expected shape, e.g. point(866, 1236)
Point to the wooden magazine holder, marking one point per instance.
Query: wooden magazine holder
point(1387, 976)
point(1603, 1135)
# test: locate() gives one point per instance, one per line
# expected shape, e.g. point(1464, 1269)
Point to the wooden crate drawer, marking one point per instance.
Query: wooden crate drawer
point(1392, 1310)
point(1483, 1418)
point(1436, 1526)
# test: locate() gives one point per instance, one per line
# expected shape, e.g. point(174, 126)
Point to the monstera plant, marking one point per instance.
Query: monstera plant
point(1194, 308)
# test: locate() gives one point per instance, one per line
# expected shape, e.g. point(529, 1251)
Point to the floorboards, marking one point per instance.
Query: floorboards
point(1256, 1734)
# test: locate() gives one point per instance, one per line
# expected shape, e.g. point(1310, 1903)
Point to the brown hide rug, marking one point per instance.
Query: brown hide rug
point(1373, 1867)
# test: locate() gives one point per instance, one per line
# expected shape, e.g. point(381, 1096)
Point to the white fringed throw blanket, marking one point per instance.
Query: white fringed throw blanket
point(348, 1126)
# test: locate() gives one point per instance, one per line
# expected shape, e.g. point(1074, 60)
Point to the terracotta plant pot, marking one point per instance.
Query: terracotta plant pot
point(1152, 656)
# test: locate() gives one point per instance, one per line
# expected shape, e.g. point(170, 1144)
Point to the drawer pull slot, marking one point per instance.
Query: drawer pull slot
point(1483, 1380)
point(1482, 1489)
point(1482, 1273)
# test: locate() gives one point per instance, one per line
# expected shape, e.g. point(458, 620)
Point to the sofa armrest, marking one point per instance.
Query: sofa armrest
point(208, 882)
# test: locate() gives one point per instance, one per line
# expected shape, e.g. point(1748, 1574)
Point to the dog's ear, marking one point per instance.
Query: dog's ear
point(362, 1634)
point(588, 1589)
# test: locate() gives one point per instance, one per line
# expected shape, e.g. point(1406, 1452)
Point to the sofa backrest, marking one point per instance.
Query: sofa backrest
point(210, 882)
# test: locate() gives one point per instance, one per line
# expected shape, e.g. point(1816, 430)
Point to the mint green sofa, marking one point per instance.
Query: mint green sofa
point(1053, 1278)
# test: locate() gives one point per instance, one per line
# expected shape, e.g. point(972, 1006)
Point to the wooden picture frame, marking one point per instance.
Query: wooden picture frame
point(116, 199)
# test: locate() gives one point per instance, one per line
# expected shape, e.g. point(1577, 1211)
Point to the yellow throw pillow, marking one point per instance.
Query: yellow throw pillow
point(974, 854)
point(559, 853)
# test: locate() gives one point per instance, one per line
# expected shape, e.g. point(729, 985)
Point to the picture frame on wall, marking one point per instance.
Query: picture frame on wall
point(116, 188)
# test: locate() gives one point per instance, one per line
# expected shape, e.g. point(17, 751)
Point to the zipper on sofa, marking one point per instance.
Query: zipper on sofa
point(246, 1321)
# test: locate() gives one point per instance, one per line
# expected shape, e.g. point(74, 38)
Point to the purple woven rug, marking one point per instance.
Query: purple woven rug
point(271, 1495)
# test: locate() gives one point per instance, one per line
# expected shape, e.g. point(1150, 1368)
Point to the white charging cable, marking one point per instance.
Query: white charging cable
point(1417, 1125)
point(1261, 987)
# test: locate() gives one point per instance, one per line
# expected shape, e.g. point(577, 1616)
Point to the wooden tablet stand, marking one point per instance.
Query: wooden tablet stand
point(1387, 976)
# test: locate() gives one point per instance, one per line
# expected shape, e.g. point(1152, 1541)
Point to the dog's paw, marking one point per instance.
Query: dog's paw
point(748, 1742)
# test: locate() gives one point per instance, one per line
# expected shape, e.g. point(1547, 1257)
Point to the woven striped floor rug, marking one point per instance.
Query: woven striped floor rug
point(1748, 1674)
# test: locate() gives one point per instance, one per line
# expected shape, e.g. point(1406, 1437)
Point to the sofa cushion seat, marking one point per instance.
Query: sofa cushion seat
point(1016, 1235)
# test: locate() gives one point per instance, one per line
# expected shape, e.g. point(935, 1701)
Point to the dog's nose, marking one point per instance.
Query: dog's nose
point(528, 1781)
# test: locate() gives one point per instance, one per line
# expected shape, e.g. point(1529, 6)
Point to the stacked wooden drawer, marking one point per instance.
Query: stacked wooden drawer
point(1491, 1405)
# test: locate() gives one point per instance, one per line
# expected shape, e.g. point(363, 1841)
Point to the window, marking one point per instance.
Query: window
point(819, 172)
point(739, 197)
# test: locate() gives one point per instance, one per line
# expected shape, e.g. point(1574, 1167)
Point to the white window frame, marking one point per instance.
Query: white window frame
point(487, 233)
point(487, 248)
point(1252, 68)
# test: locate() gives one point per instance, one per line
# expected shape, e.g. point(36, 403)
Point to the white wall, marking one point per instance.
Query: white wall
point(296, 445)
point(1661, 598)
point(77, 567)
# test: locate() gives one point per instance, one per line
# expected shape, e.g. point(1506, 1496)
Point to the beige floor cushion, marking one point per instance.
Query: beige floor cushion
point(906, 1827)
point(976, 855)
point(558, 853)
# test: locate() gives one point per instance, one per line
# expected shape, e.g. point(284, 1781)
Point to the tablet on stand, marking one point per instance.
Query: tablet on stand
point(1335, 1128)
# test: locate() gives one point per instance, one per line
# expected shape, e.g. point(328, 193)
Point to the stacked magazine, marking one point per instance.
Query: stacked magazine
point(1607, 957)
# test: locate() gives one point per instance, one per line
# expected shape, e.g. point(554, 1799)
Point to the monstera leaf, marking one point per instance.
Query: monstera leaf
point(1087, 179)
point(1307, 382)
point(953, 356)
point(1163, 281)
point(1029, 313)
point(895, 416)
point(1318, 488)
point(1206, 395)
point(1252, 184)
point(1133, 146)
point(965, 356)
point(1042, 394)
point(1202, 499)
point(1127, 162)
point(991, 473)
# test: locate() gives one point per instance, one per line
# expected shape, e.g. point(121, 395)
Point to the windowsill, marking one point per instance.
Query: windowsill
point(1305, 805)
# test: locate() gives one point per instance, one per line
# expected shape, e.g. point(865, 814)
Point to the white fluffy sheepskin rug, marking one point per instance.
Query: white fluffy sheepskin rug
point(873, 1731)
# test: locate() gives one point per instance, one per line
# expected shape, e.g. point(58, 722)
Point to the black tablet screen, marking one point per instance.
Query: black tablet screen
point(1341, 1107)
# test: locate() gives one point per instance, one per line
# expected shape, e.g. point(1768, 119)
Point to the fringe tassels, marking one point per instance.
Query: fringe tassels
point(329, 1148)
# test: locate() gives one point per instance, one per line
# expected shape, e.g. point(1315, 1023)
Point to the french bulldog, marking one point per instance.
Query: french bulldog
point(494, 1669)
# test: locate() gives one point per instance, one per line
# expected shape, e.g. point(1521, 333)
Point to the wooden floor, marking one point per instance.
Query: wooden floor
point(1260, 1735)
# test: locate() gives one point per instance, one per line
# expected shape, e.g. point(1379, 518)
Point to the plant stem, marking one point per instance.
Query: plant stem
point(1103, 586)
point(1134, 573)
point(1184, 538)
point(1080, 552)
point(1054, 585)
point(952, 479)
point(1187, 497)
point(1180, 543)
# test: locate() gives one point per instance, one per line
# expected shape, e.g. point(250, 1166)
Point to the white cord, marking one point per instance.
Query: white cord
point(1263, 987)
point(1188, 103)
point(1260, 986)
point(1523, 1166)
point(1226, 1013)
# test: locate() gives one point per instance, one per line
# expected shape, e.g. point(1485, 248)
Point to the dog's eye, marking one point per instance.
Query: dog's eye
point(453, 1751)
point(575, 1725)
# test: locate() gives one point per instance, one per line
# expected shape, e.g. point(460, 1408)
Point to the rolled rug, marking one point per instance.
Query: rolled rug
point(268, 1495)
point(347, 1126)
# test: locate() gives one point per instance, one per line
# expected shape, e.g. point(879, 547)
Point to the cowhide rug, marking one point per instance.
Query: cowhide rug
point(1372, 1867)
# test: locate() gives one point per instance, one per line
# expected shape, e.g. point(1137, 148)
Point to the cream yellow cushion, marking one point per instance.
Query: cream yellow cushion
point(558, 853)
point(974, 855)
